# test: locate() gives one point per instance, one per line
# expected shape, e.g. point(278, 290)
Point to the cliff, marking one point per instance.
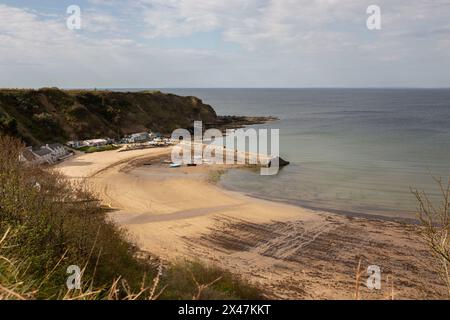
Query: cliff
point(54, 115)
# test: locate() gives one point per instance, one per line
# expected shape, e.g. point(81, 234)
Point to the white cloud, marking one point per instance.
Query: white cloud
point(183, 17)
point(98, 21)
point(284, 43)
point(40, 52)
point(297, 25)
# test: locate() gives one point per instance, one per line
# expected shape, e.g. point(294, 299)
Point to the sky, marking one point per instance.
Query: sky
point(224, 43)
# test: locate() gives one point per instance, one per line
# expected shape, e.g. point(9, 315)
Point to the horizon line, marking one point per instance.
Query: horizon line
point(234, 88)
point(225, 87)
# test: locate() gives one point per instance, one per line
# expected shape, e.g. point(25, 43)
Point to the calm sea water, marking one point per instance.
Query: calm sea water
point(353, 150)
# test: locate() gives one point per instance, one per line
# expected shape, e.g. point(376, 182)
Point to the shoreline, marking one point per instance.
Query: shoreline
point(347, 213)
point(290, 251)
point(144, 159)
point(369, 216)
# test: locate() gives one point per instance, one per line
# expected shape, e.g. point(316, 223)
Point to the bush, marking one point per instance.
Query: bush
point(193, 280)
point(434, 217)
point(60, 223)
point(53, 223)
point(8, 125)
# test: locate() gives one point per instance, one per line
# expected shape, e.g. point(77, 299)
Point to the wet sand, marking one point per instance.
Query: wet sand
point(288, 251)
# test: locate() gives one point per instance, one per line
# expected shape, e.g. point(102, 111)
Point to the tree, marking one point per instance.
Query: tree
point(8, 125)
point(435, 227)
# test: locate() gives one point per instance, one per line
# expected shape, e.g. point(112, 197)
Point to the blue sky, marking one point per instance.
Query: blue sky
point(234, 43)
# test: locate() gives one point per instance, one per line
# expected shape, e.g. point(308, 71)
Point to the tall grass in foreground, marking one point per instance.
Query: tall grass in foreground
point(435, 230)
point(48, 223)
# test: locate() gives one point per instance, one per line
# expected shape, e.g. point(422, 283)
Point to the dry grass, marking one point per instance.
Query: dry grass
point(435, 227)
point(170, 282)
point(358, 279)
point(48, 223)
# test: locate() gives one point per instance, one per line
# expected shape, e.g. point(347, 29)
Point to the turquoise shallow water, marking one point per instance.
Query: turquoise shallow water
point(354, 150)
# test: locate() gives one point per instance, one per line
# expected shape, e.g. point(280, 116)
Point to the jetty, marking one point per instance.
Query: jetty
point(211, 154)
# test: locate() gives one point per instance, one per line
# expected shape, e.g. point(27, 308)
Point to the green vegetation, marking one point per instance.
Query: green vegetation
point(108, 147)
point(184, 278)
point(48, 223)
point(8, 125)
point(53, 115)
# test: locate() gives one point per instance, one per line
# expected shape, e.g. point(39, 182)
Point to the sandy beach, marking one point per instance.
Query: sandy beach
point(288, 251)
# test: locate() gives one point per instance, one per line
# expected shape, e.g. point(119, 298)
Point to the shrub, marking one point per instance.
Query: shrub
point(194, 280)
point(56, 223)
point(435, 228)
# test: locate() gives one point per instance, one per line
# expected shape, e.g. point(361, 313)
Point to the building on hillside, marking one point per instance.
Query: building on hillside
point(75, 144)
point(48, 154)
point(138, 137)
point(44, 155)
point(28, 156)
point(95, 142)
point(59, 152)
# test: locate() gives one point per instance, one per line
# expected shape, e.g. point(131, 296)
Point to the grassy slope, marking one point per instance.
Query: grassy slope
point(51, 223)
point(54, 115)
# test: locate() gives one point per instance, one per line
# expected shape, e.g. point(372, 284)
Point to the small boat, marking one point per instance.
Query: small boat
point(191, 164)
point(175, 165)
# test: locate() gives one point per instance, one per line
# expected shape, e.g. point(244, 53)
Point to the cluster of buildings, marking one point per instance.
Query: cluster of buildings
point(149, 138)
point(144, 140)
point(142, 137)
point(48, 154)
point(139, 137)
point(52, 153)
point(89, 143)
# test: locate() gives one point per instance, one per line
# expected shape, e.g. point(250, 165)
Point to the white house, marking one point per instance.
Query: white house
point(28, 156)
point(44, 155)
point(95, 142)
point(37, 156)
point(138, 137)
point(76, 144)
point(48, 154)
point(58, 151)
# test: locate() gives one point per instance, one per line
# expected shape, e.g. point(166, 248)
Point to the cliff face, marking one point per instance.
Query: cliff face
point(54, 115)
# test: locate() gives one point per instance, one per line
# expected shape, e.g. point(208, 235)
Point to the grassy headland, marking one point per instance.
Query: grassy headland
point(54, 115)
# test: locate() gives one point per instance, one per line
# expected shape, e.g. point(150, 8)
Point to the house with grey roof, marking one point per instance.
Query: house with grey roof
point(58, 151)
point(138, 137)
point(28, 155)
point(36, 156)
point(44, 155)
point(48, 154)
point(95, 142)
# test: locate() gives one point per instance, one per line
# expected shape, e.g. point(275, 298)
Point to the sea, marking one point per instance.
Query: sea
point(353, 151)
